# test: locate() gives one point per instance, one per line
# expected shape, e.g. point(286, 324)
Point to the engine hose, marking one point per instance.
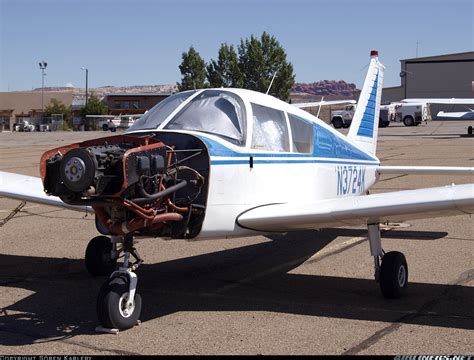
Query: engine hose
point(151, 197)
point(135, 224)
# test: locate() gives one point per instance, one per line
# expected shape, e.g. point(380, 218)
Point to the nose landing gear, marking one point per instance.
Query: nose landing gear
point(118, 303)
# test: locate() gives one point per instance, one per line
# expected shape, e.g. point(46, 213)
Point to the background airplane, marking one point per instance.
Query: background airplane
point(216, 163)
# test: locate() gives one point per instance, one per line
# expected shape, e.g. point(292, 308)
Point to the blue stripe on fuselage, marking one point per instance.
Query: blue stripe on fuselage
point(327, 145)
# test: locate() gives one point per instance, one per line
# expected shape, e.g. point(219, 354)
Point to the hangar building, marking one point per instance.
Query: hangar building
point(441, 76)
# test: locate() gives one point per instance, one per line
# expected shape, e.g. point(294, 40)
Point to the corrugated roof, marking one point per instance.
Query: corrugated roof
point(454, 56)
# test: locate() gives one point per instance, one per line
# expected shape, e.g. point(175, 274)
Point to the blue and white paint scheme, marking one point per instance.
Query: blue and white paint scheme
point(272, 166)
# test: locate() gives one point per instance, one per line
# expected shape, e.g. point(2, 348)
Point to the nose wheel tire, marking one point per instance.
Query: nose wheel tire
point(112, 309)
point(393, 275)
point(98, 257)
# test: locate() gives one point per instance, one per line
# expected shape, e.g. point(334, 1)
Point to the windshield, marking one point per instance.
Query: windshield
point(158, 113)
point(216, 112)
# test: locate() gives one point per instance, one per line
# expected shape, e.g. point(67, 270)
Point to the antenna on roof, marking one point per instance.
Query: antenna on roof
point(271, 82)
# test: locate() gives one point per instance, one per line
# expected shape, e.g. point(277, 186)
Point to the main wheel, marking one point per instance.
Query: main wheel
point(469, 130)
point(98, 260)
point(408, 121)
point(337, 122)
point(393, 275)
point(105, 127)
point(112, 309)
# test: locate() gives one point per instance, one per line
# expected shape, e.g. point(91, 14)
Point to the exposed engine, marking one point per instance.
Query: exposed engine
point(134, 184)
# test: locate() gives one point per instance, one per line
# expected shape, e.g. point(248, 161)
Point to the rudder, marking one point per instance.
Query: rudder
point(364, 126)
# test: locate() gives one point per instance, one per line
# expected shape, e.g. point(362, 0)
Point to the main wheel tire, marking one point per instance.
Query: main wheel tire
point(393, 275)
point(98, 260)
point(408, 121)
point(113, 129)
point(112, 311)
point(337, 122)
point(345, 126)
point(469, 130)
point(105, 127)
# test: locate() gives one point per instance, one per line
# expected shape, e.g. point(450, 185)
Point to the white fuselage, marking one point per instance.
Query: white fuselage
point(244, 177)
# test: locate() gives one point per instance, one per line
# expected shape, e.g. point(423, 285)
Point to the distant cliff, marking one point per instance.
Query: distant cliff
point(325, 88)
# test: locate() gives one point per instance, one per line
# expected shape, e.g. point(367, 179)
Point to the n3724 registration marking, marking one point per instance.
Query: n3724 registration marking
point(350, 179)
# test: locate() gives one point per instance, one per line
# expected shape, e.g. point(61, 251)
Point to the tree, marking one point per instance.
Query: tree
point(57, 107)
point(226, 71)
point(94, 107)
point(193, 70)
point(261, 59)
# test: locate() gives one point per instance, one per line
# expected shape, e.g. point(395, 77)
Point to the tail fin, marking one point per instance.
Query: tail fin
point(364, 127)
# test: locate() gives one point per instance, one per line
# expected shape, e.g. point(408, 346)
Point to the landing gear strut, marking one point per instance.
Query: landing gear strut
point(391, 269)
point(118, 303)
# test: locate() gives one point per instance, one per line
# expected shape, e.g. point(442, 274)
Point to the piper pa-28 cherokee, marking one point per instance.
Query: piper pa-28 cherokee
point(216, 163)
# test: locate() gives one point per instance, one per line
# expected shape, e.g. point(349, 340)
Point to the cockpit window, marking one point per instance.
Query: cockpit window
point(269, 129)
point(215, 112)
point(157, 114)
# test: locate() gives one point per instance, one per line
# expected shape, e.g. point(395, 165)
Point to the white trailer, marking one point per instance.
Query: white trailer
point(411, 114)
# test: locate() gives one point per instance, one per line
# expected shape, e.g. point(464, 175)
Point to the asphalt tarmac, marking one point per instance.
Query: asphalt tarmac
point(308, 292)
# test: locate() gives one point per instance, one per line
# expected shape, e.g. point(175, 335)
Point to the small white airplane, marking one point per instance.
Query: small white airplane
point(461, 115)
point(216, 163)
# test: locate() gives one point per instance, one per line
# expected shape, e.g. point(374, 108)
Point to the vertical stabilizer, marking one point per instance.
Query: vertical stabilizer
point(364, 126)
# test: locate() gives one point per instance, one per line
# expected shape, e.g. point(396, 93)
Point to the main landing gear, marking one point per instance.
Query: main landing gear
point(391, 269)
point(118, 303)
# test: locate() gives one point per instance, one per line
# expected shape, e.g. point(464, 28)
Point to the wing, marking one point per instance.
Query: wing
point(469, 115)
point(358, 210)
point(426, 170)
point(323, 103)
point(30, 188)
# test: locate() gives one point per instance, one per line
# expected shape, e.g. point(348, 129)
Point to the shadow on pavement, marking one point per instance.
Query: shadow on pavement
point(57, 296)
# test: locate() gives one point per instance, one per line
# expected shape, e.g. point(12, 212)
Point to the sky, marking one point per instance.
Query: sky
point(140, 42)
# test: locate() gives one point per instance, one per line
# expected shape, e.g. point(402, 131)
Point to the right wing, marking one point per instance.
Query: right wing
point(362, 210)
point(30, 188)
point(323, 103)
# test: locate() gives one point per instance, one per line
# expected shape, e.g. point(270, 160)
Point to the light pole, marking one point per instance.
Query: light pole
point(43, 64)
point(87, 75)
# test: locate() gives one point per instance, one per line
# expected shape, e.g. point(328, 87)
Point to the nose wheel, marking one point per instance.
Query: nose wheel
point(116, 308)
point(118, 303)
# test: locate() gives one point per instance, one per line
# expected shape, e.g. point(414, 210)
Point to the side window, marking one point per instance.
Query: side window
point(269, 129)
point(302, 133)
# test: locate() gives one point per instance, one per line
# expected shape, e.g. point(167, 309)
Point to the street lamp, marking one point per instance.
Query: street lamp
point(87, 75)
point(43, 64)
